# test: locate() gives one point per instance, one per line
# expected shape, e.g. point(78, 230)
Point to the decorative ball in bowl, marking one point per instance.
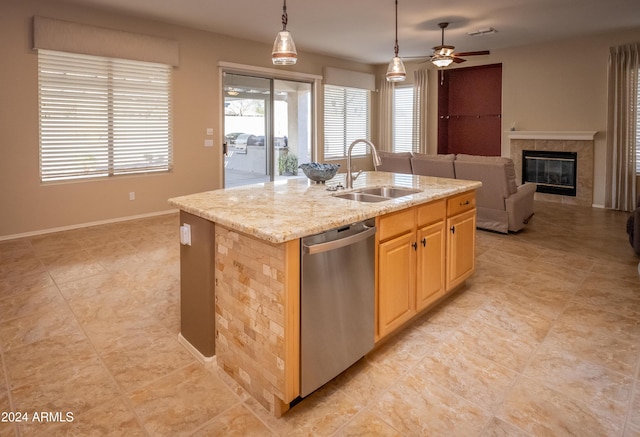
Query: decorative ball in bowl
point(319, 173)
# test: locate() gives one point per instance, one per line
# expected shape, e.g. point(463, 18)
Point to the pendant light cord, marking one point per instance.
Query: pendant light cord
point(396, 48)
point(285, 18)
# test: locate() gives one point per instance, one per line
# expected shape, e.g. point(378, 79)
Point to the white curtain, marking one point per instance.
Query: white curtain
point(420, 104)
point(621, 127)
point(385, 114)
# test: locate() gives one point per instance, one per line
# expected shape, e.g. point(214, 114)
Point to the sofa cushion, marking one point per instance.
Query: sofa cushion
point(509, 167)
point(433, 165)
point(399, 162)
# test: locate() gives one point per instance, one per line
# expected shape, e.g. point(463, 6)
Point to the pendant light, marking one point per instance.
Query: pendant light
point(284, 49)
point(396, 71)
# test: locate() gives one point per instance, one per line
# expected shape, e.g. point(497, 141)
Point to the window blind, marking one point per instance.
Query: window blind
point(346, 118)
point(638, 127)
point(403, 120)
point(102, 116)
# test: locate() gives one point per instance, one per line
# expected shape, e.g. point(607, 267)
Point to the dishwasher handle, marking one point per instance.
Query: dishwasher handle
point(336, 244)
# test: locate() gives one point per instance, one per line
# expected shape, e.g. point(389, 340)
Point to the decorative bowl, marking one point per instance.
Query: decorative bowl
point(319, 173)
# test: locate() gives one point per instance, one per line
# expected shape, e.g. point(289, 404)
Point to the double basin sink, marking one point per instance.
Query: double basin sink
point(378, 194)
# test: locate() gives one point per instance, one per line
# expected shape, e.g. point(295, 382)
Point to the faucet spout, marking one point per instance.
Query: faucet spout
point(374, 154)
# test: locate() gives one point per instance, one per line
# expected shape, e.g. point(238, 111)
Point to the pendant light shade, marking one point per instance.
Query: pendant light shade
point(396, 71)
point(284, 49)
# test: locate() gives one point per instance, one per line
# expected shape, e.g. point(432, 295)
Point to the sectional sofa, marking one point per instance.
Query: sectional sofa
point(502, 205)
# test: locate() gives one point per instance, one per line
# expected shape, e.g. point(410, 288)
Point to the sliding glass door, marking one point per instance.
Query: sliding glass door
point(267, 126)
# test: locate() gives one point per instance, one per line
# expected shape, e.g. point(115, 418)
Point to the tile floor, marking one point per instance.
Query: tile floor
point(544, 340)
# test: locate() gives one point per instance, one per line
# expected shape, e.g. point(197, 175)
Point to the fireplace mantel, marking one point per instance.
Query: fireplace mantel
point(552, 135)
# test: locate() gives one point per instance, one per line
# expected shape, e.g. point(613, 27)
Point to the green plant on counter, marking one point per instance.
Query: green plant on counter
point(288, 165)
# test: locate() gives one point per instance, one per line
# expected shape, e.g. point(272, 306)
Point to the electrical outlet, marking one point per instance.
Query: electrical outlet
point(209, 131)
point(185, 234)
point(132, 195)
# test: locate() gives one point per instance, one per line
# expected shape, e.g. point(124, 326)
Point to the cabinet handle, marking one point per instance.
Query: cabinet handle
point(414, 245)
point(464, 203)
point(424, 242)
point(453, 229)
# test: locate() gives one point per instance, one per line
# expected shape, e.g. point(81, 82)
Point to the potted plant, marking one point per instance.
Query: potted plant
point(288, 164)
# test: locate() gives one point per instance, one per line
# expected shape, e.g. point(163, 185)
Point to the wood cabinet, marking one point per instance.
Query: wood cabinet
point(461, 238)
point(396, 258)
point(411, 253)
point(422, 253)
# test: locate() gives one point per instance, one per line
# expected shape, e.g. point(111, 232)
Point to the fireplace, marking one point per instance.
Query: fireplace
point(580, 142)
point(554, 172)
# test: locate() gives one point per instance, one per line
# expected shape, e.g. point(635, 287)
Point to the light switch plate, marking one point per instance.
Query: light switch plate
point(209, 131)
point(208, 143)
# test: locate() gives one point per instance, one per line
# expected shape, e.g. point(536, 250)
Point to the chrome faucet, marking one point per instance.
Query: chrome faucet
point(374, 153)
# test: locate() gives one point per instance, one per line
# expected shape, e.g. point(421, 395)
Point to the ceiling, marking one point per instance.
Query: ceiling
point(363, 30)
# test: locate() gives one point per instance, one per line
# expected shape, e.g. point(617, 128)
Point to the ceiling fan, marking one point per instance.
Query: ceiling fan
point(443, 55)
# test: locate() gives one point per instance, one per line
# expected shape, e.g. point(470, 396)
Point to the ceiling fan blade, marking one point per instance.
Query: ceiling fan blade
point(478, 53)
point(458, 60)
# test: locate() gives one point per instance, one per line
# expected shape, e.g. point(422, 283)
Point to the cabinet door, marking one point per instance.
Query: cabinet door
point(430, 280)
point(396, 282)
point(461, 237)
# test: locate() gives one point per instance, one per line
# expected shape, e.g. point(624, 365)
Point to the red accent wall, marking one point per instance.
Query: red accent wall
point(470, 110)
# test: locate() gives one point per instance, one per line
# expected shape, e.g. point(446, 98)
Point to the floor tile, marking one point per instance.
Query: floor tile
point(113, 418)
point(417, 406)
point(142, 357)
point(182, 401)
point(607, 392)
point(542, 411)
point(237, 421)
point(472, 377)
point(504, 347)
point(322, 413)
point(546, 332)
point(34, 327)
point(500, 428)
point(367, 424)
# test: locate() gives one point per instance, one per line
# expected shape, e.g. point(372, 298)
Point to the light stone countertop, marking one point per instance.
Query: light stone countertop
point(286, 210)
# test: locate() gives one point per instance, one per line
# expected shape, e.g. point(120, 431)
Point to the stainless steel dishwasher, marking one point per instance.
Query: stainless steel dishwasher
point(337, 302)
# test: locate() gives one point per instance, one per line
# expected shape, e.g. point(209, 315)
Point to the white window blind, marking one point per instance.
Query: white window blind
point(403, 120)
point(638, 127)
point(102, 116)
point(346, 118)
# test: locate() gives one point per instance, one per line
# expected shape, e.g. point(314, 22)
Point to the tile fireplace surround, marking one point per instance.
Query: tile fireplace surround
point(580, 142)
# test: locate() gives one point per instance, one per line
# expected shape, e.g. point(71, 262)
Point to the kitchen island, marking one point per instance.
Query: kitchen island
point(244, 260)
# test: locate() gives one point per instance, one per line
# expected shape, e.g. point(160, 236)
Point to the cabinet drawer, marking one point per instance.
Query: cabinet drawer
point(431, 212)
point(461, 203)
point(396, 223)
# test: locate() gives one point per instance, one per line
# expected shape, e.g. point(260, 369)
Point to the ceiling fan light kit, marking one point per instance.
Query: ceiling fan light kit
point(396, 71)
point(284, 49)
point(441, 61)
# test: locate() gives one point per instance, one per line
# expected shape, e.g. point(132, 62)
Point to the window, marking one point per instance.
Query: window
point(346, 118)
point(404, 120)
point(102, 116)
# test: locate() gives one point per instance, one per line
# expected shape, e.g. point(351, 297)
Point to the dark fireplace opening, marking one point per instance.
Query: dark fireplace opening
point(554, 172)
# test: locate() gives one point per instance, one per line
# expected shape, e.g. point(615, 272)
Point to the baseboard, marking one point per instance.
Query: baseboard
point(597, 205)
point(195, 352)
point(87, 225)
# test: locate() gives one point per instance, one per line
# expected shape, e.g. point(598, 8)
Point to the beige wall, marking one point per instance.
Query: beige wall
point(559, 86)
point(555, 86)
point(28, 206)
